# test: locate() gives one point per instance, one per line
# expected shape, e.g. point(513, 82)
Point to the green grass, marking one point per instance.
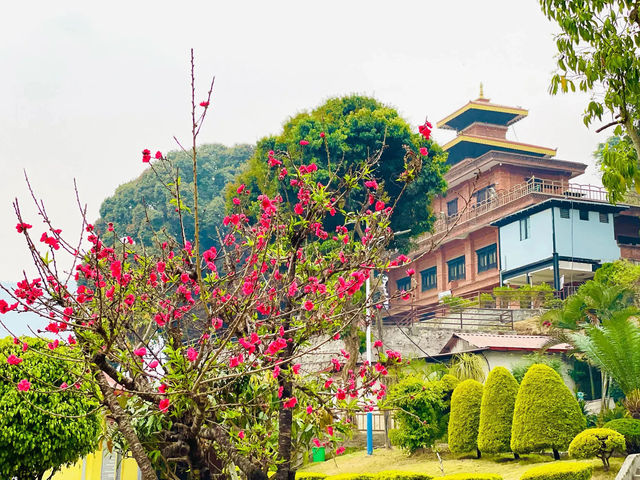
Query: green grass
point(395, 459)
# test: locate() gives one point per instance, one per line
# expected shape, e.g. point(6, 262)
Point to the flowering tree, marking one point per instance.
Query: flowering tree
point(207, 360)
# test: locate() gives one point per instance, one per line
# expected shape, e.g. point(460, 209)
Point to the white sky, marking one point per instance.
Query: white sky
point(84, 89)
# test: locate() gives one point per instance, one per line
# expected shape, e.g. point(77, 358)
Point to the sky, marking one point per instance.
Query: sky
point(86, 86)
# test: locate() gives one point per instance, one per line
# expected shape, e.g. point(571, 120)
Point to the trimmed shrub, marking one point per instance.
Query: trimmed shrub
point(423, 411)
point(546, 414)
point(352, 476)
point(310, 476)
point(496, 411)
point(559, 471)
point(597, 442)
point(630, 429)
point(465, 417)
point(400, 475)
point(470, 476)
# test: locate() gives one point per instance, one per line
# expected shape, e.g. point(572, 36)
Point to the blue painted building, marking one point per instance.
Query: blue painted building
point(558, 241)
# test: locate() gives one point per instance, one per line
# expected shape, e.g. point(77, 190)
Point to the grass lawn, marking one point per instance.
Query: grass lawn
point(395, 459)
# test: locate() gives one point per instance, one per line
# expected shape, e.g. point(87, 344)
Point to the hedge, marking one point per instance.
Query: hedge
point(559, 471)
point(465, 416)
point(496, 411)
point(401, 475)
point(546, 414)
point(352, 476)
point(310, 476)
point(630, 428)
point(470, 476)
point(597, 442)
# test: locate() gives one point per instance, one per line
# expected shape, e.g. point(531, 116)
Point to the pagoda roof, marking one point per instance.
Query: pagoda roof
point(473, 146)
point(482, 111)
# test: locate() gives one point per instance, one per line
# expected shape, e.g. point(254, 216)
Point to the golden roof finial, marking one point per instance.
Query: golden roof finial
point(481, 91)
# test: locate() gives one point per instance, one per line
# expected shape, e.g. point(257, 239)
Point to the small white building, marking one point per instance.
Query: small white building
point(506, 350)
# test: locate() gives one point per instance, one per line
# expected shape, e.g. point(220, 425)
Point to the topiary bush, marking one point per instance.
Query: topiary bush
point(597, 442)
point(465, 417)
point(352, 476)
point(400, 475)
point(470, 476)
point(559, 471)
point(310, 476)
point(546, 414)
point(630, 429)
point(496, 411)
point(422, 411)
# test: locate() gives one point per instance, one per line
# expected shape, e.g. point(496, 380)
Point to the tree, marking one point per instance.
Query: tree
point(496, 411)
point(465, 417)
point(244, 389)
point(598, 52)
point(145, 209)
point(340, 133)
point(421, 410)
point(597, 442)
point(546, 414)
point(40, 431)
point(621, 273)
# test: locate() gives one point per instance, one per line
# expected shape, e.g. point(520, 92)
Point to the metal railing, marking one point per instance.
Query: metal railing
point(538, 186)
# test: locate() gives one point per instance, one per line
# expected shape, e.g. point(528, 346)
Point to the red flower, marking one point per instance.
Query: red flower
point(146, 155)
point(241, 434)
point(162, 388)
point(164, 405)
point(13, 360)
point(377, 343)
point(410, 271)
point(140, 352)
point(158, 155)
point(340, 450)
point(24, 385)
point(424, 152)
point(308, 305)
point(379, 206)
point(304, 142)
point(153, 364)
point(204, 104)
point(322, 135)
point(290, 403)
point(21, 227)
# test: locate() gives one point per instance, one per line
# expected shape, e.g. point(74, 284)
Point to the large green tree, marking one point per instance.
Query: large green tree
point(143, 207)
point(598, 52)
point(354, 127)
point(45, 429)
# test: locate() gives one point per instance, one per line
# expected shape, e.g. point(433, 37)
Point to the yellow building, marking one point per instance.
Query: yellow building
point(101, 465)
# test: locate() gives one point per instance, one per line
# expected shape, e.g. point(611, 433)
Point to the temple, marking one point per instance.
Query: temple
point(513, 214)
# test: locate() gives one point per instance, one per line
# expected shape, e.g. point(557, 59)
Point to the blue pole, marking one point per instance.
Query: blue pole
point(369, 433)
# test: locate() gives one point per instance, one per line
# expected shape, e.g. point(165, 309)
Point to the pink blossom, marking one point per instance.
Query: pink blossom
point(424, 152)
point(296, 369)
point(164, 405)
point(377, 343)
point(379, 206)
point(13, 360)
point(309, 409)
point(192, 354)
point(162, 388)
point(216, 323)
point(304, 142)
point(204, 104)
point(146, 155)
point(340, 450)
point(276, 371)
point(290, 403)
point(410, 271)
point(64, 386)
point(241, 434)
point(317, 443)
point(308, 305)
point(140, 352)
point(153, 364)
point(24, 385)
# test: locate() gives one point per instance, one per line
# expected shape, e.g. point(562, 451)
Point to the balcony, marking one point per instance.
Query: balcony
point(478, 211)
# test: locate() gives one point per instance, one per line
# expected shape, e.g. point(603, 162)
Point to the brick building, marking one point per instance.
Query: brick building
point(513, 214)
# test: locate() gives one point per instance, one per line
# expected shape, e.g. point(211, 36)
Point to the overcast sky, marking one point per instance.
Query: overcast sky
point(84, 89)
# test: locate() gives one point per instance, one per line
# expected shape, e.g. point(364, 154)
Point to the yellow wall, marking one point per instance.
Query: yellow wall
point(129, 469)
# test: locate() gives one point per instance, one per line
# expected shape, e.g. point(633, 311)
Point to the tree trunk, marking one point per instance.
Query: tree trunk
point(137, 450)
point(516, 456)
point(633, 135)
point(478, 453)
point(285, 422)
point(556, 454)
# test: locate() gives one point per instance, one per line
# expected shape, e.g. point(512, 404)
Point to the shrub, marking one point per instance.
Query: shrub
point(597, 442)
point(400, 475)
point(630, 429)
point(352, 476)
point(465, 417)
point(422, 411)
point(310, 476)
point(559, 471)
point(496, 411)
point(470, 476)
point(546, 414)
point(486, 300)
point(521, 368)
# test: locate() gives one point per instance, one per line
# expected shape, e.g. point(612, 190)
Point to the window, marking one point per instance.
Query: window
point(452, 207)
point(456, 269)
point(584, 214)
point(604, 217)
point(485, 194)
point(404, 283)
point(564, 213)
point(487, 258)
point(525, 227)
point(429, 280)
